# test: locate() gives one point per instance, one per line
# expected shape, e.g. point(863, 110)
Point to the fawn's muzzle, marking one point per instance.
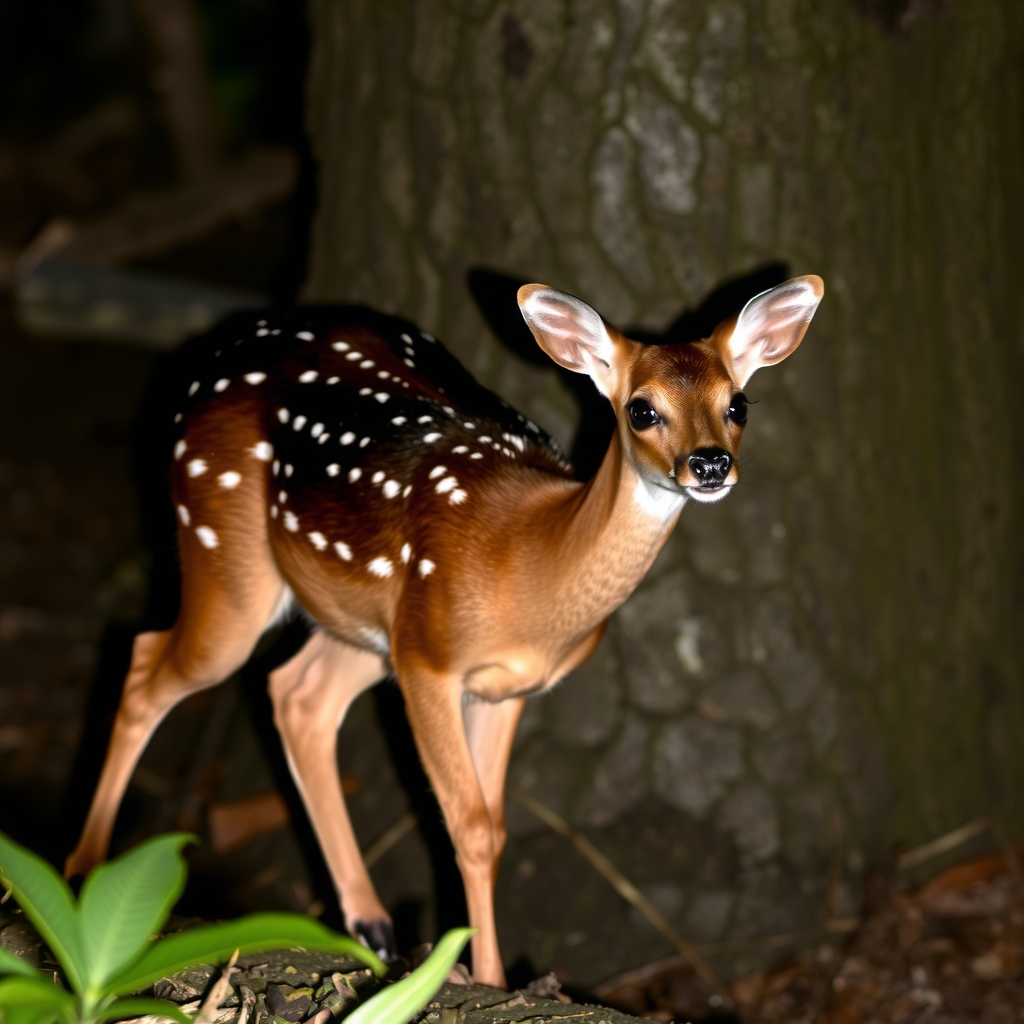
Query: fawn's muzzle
point(710, 466)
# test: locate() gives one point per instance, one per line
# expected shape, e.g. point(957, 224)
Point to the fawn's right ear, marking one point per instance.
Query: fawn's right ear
point(572, 333)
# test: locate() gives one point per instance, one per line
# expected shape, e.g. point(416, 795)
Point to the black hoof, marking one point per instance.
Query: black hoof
point(378, 936)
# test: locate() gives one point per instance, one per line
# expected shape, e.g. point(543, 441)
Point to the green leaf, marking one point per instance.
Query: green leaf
point(213, 943)
point(11, 964)
point(141, 1007)
point(48, 904)
point(124, 902)
point(400, 1002)
point(34, 1001)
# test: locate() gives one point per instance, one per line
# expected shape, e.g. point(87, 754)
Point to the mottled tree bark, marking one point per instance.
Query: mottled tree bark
point(845, 635)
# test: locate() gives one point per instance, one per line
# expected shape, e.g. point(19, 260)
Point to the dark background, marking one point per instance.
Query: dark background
point(814, 672)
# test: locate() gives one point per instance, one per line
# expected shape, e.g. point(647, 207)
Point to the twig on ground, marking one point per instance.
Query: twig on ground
point(390, 837)
point(625, 888)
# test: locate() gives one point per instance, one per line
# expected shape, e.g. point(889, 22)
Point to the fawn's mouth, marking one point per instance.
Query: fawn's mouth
point(709, 494)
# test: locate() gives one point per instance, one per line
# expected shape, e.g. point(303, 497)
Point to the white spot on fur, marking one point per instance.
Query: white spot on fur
point(431, 438)
point(316, 430)
point(406, 339)
point(365, 441)
point(406, 553)
point(177, 417)
point(291, 522)
point(469, 426)
point(254, 378)
point(376, 638)
point(341, 346)
point(446, 485)
point(197, 467)
point(353, 356)
point(222, 385)
point(485, 438)
point(458, 496)
point(344, 551)
point(179, 449)
point(354, 475)
point(365, 391)
point(277, 466)
point(193, 388)
point(300, 422)
point(381, 567)
point(347, 438)
point(308, 377)
point(262, 332)
point(263, 450)
point(409, 362)
point(426, 567)
point(229, 479)
point(273, 511)
point(477, 455)
point(317, 539)
point(305, 336)
point(399, 421)
point(184, 516)
point(437, 471)
point(382, 396)
point(366, 364)
point(377, 477)
point(383, 374)
point(283, 415)
point(333, 469)
point(407, 490)
point(207, 537)
point(333, 380)
point(282, 496)
point(460, 450)
point(391, 488)
point(288, 469)
point(425, 419)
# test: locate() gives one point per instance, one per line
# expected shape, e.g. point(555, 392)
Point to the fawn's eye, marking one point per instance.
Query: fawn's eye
point(738, 408)
point(642, 414)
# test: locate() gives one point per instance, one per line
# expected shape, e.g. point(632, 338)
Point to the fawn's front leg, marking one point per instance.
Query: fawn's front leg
point(311, 694)
point(491, 730)
point(434, 705)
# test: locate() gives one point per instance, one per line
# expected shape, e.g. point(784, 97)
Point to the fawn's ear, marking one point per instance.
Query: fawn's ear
point(572, 333)
point(770, 326)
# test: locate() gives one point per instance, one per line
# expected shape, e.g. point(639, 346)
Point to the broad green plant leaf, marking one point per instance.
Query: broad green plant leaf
point(142, 1007)
point(34, 1001)
point(48, 903)
point(400, 1002)
point(213, 943)
point(11, 964)
point(125, 901)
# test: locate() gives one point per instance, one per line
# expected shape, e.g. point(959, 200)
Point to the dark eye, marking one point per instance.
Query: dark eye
point(738, 408)
point(642, 414)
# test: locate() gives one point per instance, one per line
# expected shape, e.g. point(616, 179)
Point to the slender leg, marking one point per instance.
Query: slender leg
point(311, 694)
point(434, 705)
point(490, 730)
point(201, 651)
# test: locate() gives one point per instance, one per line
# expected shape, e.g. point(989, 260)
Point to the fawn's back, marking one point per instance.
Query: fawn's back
point(358, 454)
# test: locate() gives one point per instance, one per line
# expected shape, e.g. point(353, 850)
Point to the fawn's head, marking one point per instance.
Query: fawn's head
point(680, 407)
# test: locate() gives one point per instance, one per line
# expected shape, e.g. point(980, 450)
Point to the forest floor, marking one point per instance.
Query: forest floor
point(949, 952)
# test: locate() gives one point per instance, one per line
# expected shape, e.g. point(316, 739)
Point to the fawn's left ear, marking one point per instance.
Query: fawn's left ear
point(770, 327)
point(572, 333)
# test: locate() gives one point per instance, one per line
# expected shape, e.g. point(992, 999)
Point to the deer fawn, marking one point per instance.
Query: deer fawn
point(343, 461)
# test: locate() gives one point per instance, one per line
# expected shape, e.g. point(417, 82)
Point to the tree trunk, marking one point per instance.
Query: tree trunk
point(840, 642)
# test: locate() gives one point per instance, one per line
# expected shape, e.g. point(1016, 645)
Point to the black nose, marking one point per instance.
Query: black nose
point(710, 466)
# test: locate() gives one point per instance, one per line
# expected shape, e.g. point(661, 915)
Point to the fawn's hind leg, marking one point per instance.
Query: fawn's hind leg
point(224, 609)
point(311, 694)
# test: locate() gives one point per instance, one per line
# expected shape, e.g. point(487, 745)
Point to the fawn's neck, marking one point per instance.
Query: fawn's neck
point(602, 536)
